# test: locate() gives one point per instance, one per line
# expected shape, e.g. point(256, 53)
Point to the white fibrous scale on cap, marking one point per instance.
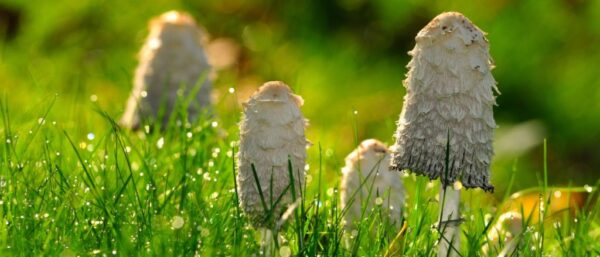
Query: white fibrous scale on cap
point(172, 65)
point(271, 133)
point(450, 95)
point(367, 182)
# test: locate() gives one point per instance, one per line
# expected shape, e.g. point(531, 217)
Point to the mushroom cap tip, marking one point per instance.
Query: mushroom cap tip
point(173, 17)
point(277, 90)
point(274, 85)
point(373, 144)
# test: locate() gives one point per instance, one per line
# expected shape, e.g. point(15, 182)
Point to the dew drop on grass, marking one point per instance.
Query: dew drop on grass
point(457, 185)
point(429, 185)
point(189, 134)
point(231, 90)
point(91, 136)
point(588, 188)
point(177, 222)
point(308, 178)
point(557, 194)
point(378, 201)
point(135, 166)
point(330, 191)
point(216, 152)
point(160, 143)
point(205, 232)
point(556, 225)
point(93, 98)
point(144, 94)
point(214, 124)
point(487, 218)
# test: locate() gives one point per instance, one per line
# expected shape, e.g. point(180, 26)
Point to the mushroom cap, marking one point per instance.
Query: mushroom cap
point(450, 96)
point(509, 225)
point(276, 91)
point(177, 24)
point(172, 58)
point(271, 133)
point(173, 17)
point(451, 24)
point(370, 162)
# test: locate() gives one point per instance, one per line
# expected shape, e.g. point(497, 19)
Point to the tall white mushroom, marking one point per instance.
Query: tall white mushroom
point(449, 102)
point(367, 181)
point(171, 59)
point(271, 137)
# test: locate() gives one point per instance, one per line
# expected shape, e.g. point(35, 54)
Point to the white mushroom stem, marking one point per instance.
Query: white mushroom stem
point(267, 243)
point(449, 223)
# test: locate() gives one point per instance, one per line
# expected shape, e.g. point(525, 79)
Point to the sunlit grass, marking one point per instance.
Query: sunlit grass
point(108, 191)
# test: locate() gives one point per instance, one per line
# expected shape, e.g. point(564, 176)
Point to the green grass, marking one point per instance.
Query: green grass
point(108, 191)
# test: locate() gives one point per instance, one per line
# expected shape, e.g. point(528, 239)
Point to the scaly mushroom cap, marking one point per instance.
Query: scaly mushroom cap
point(172, 58)
point(368, 165)
point(271, 132)
point(449, 94)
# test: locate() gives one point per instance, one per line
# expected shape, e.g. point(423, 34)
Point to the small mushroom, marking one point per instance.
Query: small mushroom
point(448, 110)
point(523, 209)
point(172, 65)
point(271, 137)
point(367, 181)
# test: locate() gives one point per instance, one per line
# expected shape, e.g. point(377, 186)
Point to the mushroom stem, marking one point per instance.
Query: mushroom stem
point(449, 223)
point(267, 241)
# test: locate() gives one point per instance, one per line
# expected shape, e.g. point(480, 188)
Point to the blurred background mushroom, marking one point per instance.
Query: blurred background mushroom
point(369, 186)
point(172, 74)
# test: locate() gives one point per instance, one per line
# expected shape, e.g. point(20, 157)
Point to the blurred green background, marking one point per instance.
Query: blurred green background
point(345, 57)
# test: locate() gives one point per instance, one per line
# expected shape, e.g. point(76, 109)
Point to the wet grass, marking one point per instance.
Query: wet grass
point(112, 192)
